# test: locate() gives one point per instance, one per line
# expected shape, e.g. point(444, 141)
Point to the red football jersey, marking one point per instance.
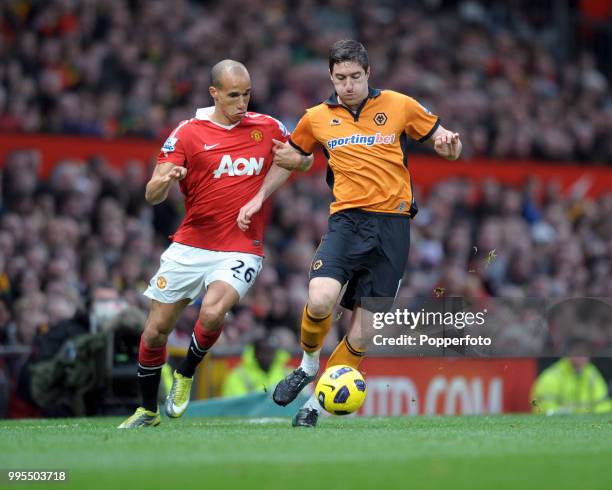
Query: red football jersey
point(226, 166)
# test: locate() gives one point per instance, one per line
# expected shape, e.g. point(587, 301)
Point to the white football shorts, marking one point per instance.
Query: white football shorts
point(185, 272)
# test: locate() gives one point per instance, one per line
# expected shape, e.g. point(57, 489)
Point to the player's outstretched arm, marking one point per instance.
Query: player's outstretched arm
point(275, 177)
point(289, 158)
point(446, 143)
point(164, 174)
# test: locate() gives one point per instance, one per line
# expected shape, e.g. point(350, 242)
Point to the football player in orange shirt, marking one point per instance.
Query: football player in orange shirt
point(363, 132)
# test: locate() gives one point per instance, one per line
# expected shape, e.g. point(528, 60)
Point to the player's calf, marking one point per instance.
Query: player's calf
point(150, 363)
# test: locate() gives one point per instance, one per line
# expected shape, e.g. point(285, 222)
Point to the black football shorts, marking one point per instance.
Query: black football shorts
point(368, 251)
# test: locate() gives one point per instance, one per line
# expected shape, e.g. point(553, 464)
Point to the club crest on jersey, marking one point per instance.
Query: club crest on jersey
point(169, 144)
point(380, 118)
point(239, 166)
point(161, 282)
point(257, 135)
point(362, 139)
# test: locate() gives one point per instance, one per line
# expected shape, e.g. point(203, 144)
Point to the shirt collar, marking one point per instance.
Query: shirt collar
point(333, 98)
point(204, 113)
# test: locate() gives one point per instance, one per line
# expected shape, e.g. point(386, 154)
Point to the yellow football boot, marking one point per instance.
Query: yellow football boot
point(141, 418)
point(178, 398)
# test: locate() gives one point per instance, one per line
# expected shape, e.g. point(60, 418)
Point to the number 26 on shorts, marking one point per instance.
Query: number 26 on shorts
point(247, 275)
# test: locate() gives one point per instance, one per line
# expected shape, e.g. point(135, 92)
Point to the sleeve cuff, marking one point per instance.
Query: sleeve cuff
point(431, 131)
point(305, 153)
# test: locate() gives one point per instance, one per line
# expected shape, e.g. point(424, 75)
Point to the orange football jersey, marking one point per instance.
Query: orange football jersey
point(366, 151)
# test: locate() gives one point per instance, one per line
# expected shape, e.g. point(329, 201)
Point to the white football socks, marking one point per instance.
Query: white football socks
point(310, 362)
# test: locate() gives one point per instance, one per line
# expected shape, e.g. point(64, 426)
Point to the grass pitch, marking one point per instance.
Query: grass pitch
point(448, 453)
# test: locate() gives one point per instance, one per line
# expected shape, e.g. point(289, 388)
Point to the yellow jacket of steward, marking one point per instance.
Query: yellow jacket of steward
point(248, 377)
point(560, 389)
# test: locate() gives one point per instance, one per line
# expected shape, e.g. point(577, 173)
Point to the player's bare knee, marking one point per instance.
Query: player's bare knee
point(153, 337)
point(155, 334)
point(322, 296)
point(320, 304)
point(212, 316)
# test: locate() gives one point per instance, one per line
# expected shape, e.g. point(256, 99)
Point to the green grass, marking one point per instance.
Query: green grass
point(495, 452)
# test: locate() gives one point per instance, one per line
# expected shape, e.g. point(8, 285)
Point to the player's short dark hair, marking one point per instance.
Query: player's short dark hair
point(348, 50)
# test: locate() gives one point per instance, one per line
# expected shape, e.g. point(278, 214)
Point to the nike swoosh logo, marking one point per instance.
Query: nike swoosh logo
point(180, 408)
point(210, 147)
point(145, 375)
point(332, 387)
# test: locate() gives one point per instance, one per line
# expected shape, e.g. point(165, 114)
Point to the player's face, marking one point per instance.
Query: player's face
point(350, 81)
point(232, 98)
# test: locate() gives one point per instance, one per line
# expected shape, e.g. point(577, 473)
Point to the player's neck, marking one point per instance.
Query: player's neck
point(352, 107)
point(218, 117)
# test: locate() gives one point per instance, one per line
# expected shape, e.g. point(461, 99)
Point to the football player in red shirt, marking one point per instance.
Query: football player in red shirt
point(222, 159)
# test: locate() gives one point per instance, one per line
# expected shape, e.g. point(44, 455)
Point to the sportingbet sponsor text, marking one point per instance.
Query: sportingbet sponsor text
point(362, 139)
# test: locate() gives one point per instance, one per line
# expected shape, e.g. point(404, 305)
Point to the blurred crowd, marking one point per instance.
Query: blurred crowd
point(87, 234)
point(80, 247)
point(498, 74)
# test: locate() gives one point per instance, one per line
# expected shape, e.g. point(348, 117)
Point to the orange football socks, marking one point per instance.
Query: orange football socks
point(346, 354)
point(313, 331)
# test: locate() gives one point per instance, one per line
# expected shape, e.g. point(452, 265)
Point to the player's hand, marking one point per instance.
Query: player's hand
point(285, 156)
point(448, 145)
point(177, 173)
point(247, 211)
